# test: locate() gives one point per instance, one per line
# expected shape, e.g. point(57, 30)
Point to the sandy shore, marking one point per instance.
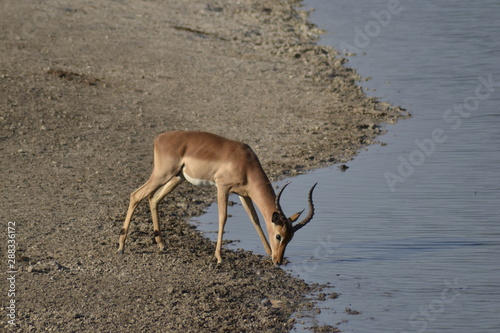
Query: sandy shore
point(85, 88)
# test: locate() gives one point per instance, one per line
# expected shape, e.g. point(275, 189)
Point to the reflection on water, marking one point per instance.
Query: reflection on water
point(418, 253)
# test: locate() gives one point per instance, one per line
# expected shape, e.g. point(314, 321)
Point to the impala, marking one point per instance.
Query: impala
point(204, 158)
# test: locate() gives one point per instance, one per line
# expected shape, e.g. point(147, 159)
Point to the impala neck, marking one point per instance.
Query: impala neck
point(262, 194)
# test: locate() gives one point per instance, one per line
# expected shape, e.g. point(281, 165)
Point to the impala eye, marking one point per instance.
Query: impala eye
point(278, 237)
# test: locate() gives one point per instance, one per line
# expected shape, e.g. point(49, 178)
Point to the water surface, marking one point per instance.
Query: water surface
point(409, 235)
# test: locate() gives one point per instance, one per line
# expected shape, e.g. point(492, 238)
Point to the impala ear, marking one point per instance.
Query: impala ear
point(277, 219)
point(295, 216)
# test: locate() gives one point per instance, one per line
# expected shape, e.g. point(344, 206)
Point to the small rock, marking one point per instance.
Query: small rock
point(277, 303)
point(266, 302)
point(334, 295)
point(351, 311)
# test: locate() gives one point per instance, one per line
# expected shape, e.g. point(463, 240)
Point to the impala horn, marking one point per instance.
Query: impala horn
point(310, 215)
point(278, 198)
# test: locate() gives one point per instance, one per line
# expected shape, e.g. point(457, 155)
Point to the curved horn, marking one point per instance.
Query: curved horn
point(277, 201)
point(310, 215)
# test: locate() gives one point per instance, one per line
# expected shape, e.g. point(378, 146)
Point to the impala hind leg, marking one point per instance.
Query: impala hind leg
point(154, 182)
point(154, 199)
point(135, 197)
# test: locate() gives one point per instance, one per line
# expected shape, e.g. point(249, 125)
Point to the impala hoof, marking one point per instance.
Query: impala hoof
point(119, 251)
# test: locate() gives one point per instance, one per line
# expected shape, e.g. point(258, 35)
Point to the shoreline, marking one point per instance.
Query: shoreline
point(85, 90)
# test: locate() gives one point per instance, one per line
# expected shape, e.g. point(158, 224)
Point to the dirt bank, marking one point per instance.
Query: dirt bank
point(84, 89)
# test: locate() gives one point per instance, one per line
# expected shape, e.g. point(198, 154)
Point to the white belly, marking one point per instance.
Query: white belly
point(196, 181)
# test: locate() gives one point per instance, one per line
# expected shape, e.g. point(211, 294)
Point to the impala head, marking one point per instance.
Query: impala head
point(283, 229)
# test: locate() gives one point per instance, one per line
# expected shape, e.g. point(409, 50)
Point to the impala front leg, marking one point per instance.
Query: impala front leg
point(250, 209)
point(222, 196)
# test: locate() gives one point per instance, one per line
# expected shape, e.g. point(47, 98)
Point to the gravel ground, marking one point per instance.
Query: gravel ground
point(84, 89)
